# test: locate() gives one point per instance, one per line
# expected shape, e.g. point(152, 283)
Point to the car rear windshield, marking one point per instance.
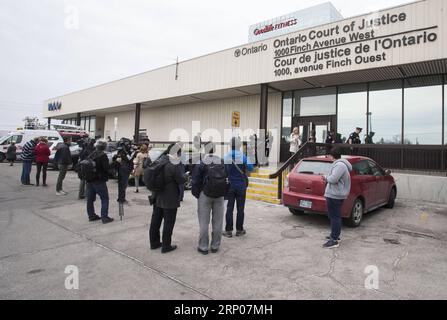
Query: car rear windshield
point(314, 167)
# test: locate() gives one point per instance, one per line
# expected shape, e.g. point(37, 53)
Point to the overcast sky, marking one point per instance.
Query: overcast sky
point(45, 52)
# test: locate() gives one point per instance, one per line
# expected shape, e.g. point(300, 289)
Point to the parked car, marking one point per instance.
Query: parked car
point(21, 137)
point(372, 188)
point(75, 151)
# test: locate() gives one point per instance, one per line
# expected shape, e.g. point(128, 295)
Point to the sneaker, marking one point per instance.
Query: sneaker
point(170, 249)
point(204, 252)
point(331, 244)
point(228, 234)
point(45, 185)
point(65, 193)
point(59, 193)
point(94, 218)
point(107, 220)
point(329, 238)
point(241, 233)
point(214, 250)
point(137, 191)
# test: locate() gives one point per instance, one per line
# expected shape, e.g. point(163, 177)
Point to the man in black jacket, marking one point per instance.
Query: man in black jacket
point(98, 186)
point(124, 164)
point(88, 147)
point(167, 201)
point(63, 160)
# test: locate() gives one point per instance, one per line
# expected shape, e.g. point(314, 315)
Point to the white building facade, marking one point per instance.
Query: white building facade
point(384, 72)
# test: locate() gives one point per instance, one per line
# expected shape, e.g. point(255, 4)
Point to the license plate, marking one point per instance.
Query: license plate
point(306, 204)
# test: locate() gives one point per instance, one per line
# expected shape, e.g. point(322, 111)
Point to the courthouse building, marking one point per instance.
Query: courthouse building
point(383, 71)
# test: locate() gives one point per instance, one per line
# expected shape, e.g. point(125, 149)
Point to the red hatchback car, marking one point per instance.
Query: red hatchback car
point(372, 187)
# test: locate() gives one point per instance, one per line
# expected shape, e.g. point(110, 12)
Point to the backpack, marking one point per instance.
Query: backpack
point(215, 183)
point(154, 177)
point(87, 168)
point(147, 162)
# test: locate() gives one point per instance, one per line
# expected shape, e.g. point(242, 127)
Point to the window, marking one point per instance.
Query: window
point(315, 102)
point(352, 107)
point(315, 167)
point(16, 138)
point(362, 168)
point(93, 125)
point(423, 111)
point(287, 116)
point(445, 111)
point(385, 112)
point(376, 170)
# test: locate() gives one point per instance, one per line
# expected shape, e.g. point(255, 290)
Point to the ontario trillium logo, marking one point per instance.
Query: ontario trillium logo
point(54, 106)
point(237, 53)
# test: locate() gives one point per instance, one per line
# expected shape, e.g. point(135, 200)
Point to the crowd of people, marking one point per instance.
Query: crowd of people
point(214, 181)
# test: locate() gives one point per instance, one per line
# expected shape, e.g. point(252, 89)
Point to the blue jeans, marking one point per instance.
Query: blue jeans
point(334, 213)
point(100, 189)
point(237, 195)
point(26, 172)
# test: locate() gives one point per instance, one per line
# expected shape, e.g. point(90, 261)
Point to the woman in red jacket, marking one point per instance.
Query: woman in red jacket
point(42, 158)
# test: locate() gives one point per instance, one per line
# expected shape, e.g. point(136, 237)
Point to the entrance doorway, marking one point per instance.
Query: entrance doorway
point(314, 126)
point(320, 125)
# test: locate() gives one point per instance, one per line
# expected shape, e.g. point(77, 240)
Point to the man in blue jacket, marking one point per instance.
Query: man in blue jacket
point(237, 166)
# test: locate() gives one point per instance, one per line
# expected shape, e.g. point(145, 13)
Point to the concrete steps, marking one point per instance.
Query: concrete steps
point(261, 188)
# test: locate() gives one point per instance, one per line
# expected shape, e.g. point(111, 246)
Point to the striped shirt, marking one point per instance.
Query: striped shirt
point(28, 151)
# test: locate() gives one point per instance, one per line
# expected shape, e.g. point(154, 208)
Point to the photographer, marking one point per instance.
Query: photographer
point(123, 163)
point(88, 147)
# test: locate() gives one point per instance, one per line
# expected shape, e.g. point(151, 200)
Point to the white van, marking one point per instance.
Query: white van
point(21, 137)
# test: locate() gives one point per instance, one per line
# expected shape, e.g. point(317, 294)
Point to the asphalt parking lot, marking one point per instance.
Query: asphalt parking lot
point(280, 258)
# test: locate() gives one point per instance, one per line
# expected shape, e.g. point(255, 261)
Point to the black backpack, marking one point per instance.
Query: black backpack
point(87, 168)
point(215, 183)
point(147, 162)
point(154, 177)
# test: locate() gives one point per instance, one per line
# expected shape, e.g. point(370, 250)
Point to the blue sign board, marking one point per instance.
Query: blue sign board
point(54, 106)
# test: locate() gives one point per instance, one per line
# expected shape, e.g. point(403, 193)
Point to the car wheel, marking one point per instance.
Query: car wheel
point(2, 157)
point(356, 217)
point(296, 212)
point(392, 198)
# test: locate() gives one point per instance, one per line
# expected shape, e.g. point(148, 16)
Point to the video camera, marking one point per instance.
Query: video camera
point(125, 145)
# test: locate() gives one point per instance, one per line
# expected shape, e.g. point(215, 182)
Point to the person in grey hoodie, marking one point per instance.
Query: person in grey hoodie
point(337, 191)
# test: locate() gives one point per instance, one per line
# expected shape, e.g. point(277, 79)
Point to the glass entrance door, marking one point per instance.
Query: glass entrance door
point(314, 128)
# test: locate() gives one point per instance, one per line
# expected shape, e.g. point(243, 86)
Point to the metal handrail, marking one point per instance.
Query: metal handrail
point(291, 160)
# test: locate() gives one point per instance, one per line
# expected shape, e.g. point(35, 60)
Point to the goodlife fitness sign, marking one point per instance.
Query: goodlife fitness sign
point(307, 18)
